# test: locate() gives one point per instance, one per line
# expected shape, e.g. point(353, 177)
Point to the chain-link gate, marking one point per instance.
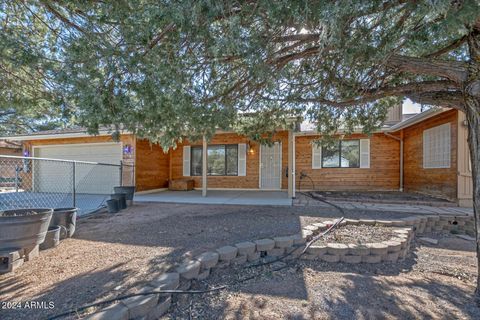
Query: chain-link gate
point(27, 182)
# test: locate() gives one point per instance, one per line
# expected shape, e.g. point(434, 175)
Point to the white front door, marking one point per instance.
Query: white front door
point(271, 166)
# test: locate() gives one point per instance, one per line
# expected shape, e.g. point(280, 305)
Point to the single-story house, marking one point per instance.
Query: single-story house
point(425, 153)
point(10, 148)
point(7, 172)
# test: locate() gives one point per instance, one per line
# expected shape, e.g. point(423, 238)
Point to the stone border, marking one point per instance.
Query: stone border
point(152, 306)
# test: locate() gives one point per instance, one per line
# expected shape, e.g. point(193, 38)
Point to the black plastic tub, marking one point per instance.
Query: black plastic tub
point(23, 228)
point(65, 217)
point(128, 190)
point(52, 238)
point(122, 202)
point(112, 206)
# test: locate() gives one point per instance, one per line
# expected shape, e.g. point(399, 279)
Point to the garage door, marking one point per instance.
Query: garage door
point(55, 176)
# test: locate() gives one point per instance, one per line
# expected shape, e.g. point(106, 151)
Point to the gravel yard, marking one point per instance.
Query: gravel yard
point(114, 254)
point(380, 196)
point(432, 283)
point(357, 234)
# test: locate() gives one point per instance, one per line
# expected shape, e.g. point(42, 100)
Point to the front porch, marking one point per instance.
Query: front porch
point(236, 197)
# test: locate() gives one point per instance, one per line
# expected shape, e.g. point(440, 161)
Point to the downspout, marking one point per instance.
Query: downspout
point(204, 166)
point(401, 157)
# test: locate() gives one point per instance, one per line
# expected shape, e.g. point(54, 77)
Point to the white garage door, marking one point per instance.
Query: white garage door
point(55, 176)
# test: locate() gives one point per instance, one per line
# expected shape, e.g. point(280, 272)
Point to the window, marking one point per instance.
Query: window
point(343, 154)
point(222, 160)
point(436, 147)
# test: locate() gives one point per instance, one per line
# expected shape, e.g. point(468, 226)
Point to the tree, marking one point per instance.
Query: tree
point(168, 69)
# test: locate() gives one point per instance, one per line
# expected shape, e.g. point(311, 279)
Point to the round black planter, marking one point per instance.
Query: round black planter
point(128, 190)
point(65, 217)
point(23, 228)
point(52, 238)
point(122, 202)
point(112, 205)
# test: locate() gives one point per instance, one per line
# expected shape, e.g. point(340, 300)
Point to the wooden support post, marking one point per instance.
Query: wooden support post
point(204, 167)
point(290, 170)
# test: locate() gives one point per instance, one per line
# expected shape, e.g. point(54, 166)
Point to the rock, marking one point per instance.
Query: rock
point(116, 311)
point(377, 248)
point(393, 246)
point(245, 248)
point(189, 270)
point(337, 248)
point(358, 249)
point(428, 240)
point(265, 244)
point(298, 239)
point(276, 252)
point(372, 258)
point(227, 253)
point(317, 249)
point(351, 259)
point(160, 309)
point(166, 281)
point(208, 259)
point(203, 275)
point(140, 306)
point(330, 258)
point(283, 242)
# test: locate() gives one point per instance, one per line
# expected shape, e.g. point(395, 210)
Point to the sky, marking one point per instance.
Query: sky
point(410, 107)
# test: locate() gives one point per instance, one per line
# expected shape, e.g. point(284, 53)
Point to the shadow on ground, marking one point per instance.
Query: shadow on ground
point(113, 255)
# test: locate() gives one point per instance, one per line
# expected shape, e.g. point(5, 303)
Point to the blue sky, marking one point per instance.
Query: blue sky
point(410, 107)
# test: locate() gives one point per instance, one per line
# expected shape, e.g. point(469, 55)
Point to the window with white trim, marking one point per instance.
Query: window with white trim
point(436, 147)
point(222, 160)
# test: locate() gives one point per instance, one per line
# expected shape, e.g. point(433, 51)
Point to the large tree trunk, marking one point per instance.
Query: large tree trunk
point(472, 112)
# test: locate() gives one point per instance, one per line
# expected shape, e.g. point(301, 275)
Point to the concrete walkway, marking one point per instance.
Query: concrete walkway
point(255, 198)
point(303, 200)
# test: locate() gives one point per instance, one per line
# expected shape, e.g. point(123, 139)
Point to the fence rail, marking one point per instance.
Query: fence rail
point(41, 182)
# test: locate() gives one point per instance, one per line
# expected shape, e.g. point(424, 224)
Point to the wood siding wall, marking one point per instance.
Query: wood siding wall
point(250, 181)
point(152, 166)
point(440, 182)
point(10, 152)
point(383, 174)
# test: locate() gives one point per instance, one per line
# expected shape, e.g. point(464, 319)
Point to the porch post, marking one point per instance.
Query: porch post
point(204, 167)
point(290, 171)
point(294, 165)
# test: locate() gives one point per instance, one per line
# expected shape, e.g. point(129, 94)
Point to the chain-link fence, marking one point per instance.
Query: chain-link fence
point(27, 182)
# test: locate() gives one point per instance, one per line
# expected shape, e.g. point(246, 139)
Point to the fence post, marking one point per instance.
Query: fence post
point(17, 169)
point(121, 173)
point(74, 191)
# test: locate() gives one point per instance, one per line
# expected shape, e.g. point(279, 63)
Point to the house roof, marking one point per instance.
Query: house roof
point(9, 144)
point(410, 121)
point(72, 132)
point(305, 128)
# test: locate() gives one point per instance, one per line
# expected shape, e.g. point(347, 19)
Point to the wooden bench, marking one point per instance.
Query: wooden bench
point(180, 184)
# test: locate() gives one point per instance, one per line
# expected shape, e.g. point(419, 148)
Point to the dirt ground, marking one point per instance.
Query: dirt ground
point(432, 283)
point(113, 254)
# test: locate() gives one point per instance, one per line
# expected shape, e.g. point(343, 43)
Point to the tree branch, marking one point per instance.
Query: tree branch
point(371, 95)
point(454, 70)
point(453, 100)
point(61, 17)
point(452, 46)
